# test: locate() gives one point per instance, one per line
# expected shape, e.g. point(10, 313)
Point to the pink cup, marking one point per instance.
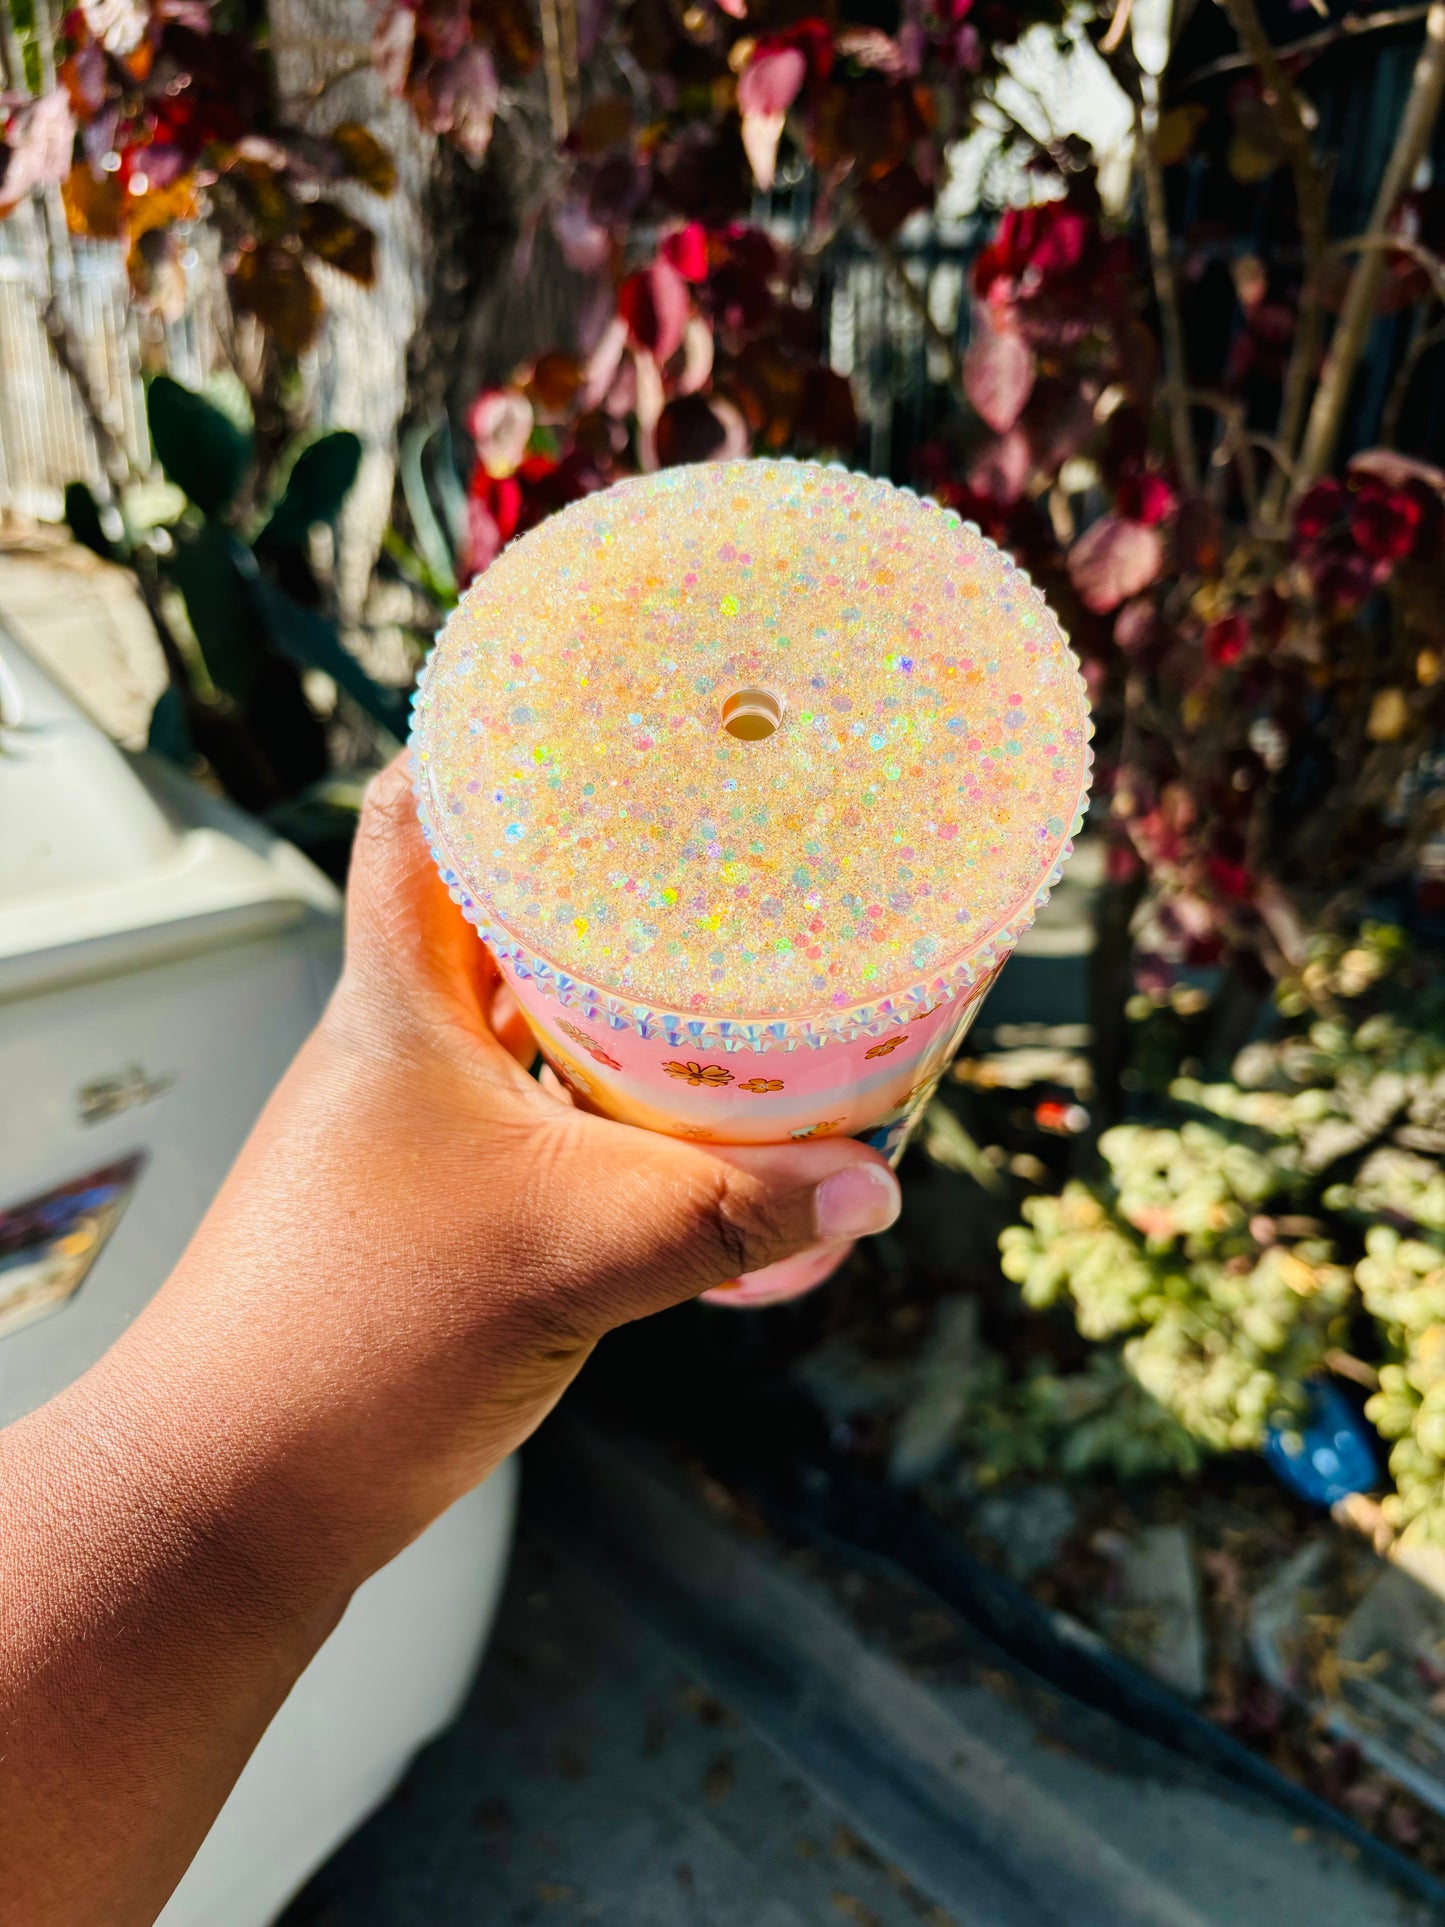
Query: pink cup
point(751, 775)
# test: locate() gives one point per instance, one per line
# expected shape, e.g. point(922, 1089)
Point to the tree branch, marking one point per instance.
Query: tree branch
point(1293, 51)
point(1358, 311)
point(1311, 203)
point(1166, 291)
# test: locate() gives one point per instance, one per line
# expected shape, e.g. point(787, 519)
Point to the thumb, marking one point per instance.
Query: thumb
point(651, 1220)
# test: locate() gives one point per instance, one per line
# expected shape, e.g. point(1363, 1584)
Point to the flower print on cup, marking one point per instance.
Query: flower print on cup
point(762, 1086)
point(919, 1015)
point(818, 1130)
point(592, 1049)
point(889, 1044)
point(712, 1075)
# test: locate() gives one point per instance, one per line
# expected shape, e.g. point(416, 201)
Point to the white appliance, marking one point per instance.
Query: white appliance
point(161, 958)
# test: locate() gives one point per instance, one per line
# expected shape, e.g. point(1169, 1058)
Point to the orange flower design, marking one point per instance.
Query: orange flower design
point(760, 1086)
point(592, 1050)
point(712, 1075)
point(919, 1015)
point(818, 1130)
point(882, 1050)
point(696, 1131)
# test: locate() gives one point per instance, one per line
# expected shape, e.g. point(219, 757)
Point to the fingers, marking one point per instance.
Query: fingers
point(510, 1027)
point(414, 965)
point(666, 1219)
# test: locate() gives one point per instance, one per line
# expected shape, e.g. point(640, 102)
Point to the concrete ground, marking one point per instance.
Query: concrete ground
point(680, 1726)
point(593, 1778)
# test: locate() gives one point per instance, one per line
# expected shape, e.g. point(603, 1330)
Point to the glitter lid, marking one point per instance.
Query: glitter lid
point(763, 745)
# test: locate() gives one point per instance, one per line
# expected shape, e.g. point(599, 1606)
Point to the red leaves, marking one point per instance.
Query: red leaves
point(1144, 496)
point(494, 507)
point(1032, 245)
point(1385, 522)
point(1318, 510)
point(654, 305)
point(1227, 640)
point(771, 82)
point(766, 91)
point(1113, 560)
point(998, 373)
point(1055, 269)
point(441, 55)
point(686, 250)
point(1351, 538)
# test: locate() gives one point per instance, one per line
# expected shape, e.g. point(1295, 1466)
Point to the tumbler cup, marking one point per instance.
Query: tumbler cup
point(750, 775)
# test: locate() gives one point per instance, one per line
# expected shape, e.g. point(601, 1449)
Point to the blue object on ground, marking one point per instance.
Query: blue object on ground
point(1330, 1454)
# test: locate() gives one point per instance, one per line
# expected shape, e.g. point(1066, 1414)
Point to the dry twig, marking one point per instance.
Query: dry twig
point(1357, 313)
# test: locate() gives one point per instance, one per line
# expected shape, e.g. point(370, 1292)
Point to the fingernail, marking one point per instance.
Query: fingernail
point(855, 1202)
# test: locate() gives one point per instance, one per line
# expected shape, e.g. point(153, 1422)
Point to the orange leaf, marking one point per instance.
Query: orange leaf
point(275, 287)
point(94, 204)
point(364, 157)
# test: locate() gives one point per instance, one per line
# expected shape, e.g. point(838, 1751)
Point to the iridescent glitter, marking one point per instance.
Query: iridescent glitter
point(882, 846)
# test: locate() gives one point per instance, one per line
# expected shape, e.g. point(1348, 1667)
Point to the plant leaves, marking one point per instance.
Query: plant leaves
point(553, 385)
point(686, 250)
point(771, 82)
point(761, 134)
point(94, 204)
point(320, 479)
point(459, 98)
point(201, 450)
point(585, 243)
point(998, 373)
point(168, 734)
point(654, 304)
point(500, 423)
point(334, 237)
point(311, 642)
point(273, 285)
point(207, 569)
point(82, 516)
point(1113, 560)
point(364, 158)
point(392, 44)
point(688, 430)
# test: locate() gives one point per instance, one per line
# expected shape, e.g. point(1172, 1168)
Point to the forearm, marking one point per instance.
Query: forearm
point(158, 1597)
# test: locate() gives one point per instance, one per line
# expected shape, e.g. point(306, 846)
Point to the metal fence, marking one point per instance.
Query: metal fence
point(895, 348)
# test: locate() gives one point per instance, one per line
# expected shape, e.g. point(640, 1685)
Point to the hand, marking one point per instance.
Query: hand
point(421, 1244)
point(415, 1252)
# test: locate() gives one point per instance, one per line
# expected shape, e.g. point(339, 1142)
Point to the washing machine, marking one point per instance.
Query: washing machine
point(162, 957)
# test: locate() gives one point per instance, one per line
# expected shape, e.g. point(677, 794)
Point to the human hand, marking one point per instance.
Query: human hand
point(420, 1244)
